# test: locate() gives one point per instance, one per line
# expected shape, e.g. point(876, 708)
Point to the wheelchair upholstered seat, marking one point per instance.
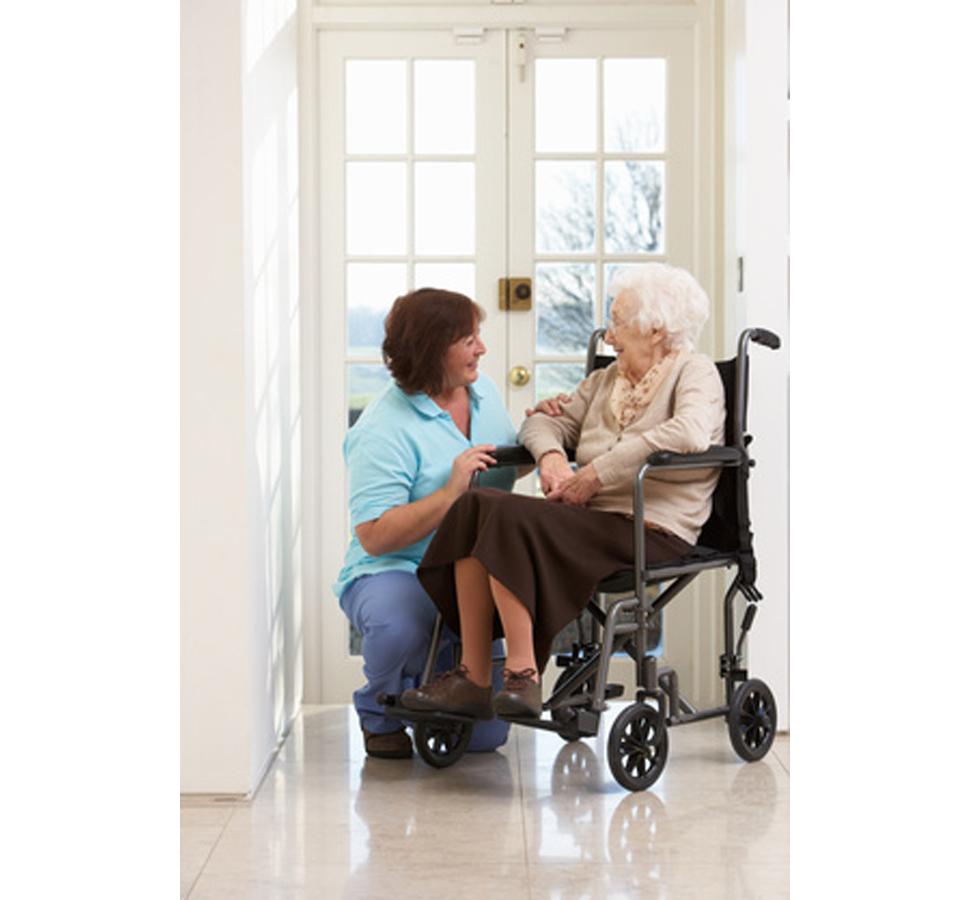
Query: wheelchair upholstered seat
point(699, 559)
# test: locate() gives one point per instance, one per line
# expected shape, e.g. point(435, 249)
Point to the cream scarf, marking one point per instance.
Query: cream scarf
point(628, 401)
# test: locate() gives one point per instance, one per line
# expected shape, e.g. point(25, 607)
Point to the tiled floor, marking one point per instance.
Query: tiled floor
point(537, 819)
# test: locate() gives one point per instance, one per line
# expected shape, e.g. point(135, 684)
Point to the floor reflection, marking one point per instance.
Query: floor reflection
point(411, 815)
point(587, 838)
point(540, 819)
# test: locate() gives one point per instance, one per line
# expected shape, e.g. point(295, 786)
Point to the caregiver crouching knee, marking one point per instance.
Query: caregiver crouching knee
point(410, 456)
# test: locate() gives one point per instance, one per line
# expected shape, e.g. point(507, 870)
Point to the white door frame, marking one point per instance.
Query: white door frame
point(702, 630)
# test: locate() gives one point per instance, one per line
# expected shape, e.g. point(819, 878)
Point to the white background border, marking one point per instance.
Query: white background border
point(884, 295)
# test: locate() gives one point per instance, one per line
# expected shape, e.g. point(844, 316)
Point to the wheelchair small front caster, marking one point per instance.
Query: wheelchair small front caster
point(638, 746)
point(566, 715)
point(441, 744)
point(752, 720)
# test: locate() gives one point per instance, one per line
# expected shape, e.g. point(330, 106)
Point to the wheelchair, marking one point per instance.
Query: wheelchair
point(638, 740)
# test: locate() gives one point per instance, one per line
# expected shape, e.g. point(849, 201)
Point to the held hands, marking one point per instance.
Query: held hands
point(577, 490)
point(553, 470)
point(550, 407)
point(476, 459)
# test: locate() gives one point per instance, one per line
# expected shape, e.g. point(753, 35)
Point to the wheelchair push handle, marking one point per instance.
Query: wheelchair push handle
point(766, 338)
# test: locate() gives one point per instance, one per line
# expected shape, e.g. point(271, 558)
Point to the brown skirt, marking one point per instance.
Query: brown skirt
point(551, 555)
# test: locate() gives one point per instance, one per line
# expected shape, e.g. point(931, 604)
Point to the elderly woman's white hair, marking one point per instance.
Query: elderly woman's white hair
point(668, 298)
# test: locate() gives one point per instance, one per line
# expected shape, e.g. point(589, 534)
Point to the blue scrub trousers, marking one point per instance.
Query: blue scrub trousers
point(395, 617)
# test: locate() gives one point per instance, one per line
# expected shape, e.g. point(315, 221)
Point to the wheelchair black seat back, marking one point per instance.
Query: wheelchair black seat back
point(638, 742)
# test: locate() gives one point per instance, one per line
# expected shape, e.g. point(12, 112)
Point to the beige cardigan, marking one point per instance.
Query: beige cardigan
point(686, 415)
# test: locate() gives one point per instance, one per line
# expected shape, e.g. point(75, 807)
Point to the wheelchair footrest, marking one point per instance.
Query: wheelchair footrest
point(585, 724)
point(394, 710)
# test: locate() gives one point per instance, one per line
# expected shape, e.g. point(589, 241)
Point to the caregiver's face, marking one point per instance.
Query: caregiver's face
point(463, 359)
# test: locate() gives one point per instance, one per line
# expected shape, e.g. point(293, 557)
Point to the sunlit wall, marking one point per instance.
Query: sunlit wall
point(271, 207)
point(240, 411)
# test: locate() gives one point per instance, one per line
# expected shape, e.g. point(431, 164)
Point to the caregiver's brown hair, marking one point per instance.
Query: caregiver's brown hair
point(419, 330)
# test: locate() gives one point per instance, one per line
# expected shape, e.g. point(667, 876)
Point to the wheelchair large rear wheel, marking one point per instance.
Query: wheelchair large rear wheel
point(637, 747)
point(752, 720)
point(441, 744)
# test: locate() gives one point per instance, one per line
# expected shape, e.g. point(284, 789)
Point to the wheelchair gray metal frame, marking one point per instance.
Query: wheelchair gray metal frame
point(725, 457)
point(632, 636)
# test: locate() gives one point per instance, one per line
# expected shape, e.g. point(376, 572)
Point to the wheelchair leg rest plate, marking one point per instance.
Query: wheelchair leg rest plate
point(394, 710)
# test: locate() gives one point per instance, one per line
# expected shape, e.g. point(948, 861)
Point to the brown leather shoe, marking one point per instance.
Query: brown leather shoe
point(391, 745)
point(451, 692)
point(521, 695)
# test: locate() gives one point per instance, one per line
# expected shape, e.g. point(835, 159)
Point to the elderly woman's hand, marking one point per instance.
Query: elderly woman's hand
point(551, 406)
point(579, 489)
point(553, 470)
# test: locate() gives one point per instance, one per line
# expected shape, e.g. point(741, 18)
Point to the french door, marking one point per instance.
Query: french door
point(601, 176)
point(458, 158)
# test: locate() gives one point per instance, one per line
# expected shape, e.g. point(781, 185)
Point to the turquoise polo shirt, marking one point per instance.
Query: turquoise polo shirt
point(400, 450)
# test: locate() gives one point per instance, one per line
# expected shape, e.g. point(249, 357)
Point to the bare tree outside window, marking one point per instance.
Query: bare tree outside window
point(633, 223)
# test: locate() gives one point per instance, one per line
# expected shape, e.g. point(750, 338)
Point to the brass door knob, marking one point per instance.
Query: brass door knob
point(519, 376)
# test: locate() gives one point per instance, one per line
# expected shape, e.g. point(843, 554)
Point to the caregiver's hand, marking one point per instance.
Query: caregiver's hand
point(476, 459)
point(551, 406)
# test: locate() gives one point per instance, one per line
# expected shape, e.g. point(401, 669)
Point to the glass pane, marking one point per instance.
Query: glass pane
point(376, 207)
point(371, 289)
point(564, 105)
point(459, 277)
point(445, 120)
point(376, 119)
point(634, 104)
point(634, 207)
point(445, 217)
point(556, 378)
point(565, 307)
point(364, 383)
point(565, 206)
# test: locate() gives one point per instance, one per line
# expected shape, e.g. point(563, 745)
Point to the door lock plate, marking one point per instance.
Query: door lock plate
point(514, 294)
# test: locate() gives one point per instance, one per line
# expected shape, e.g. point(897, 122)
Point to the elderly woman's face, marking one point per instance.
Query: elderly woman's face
point(463, 359)
point(634, 349)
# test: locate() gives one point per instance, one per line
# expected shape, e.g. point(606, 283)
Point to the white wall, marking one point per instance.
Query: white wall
point(272, 333)
point(757, 226)
point(240, 540)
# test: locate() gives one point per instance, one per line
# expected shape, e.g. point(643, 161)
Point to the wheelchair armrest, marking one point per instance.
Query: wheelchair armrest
point(664, 460)
point(516, 455)
point(713, 457)
point(519, 455)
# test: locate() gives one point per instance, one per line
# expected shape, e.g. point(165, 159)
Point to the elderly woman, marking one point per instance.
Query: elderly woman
point(531, 565)
point(410, 455)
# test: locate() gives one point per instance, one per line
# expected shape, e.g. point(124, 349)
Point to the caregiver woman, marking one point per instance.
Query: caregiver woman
point(410, 455)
